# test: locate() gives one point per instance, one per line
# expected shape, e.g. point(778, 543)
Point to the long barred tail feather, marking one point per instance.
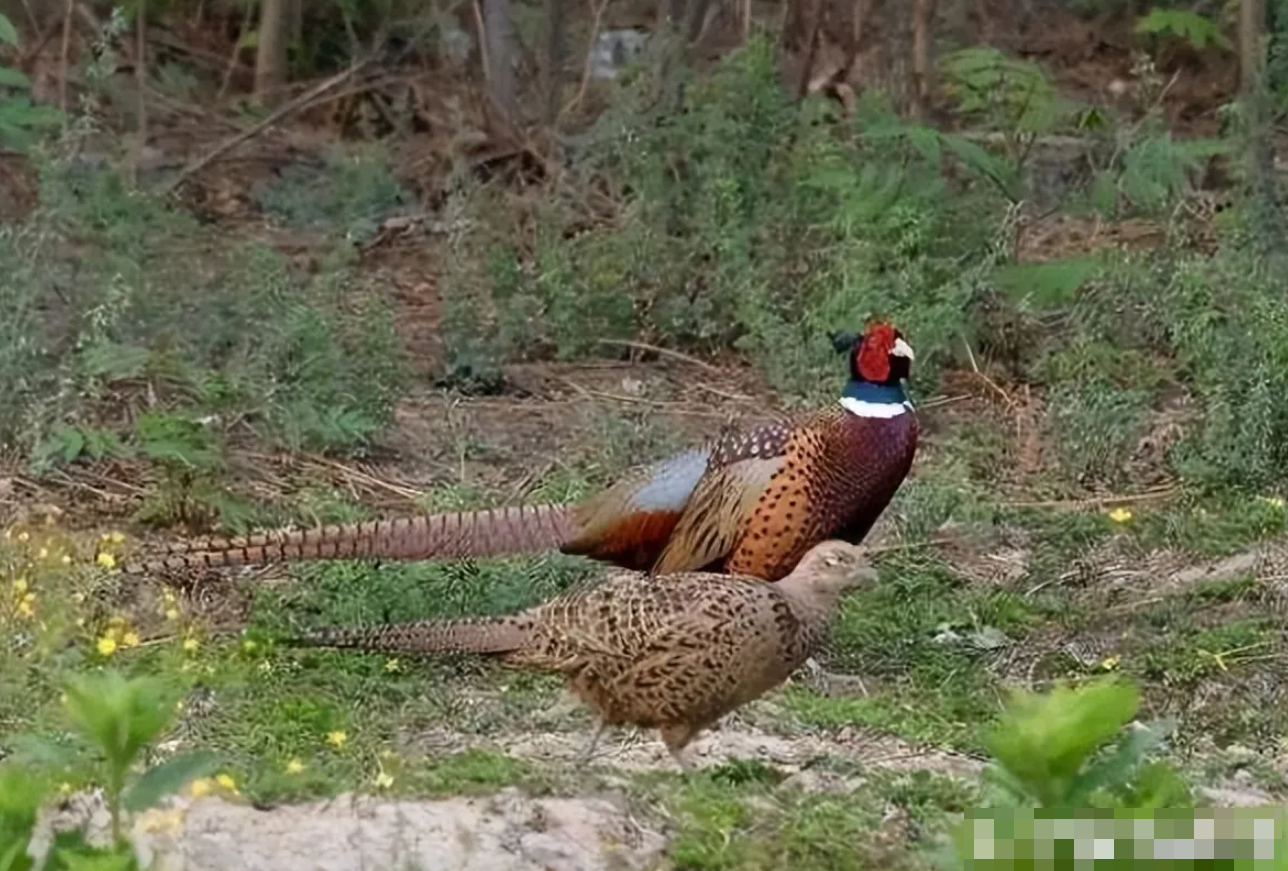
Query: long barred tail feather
point(492, 532)
point(487, 635)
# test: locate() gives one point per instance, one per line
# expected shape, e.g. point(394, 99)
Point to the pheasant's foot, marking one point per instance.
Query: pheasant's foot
point(683, 759)
point(824, 682)
point(588, 755)
point(677, 737)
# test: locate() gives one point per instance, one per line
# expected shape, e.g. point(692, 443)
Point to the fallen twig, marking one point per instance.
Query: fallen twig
point(232, 142)
point(1099, 501)
point(597, 10)
point(663, 352)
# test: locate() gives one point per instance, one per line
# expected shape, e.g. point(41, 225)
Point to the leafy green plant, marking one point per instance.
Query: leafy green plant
point(120, 718)
point(20, 797)
point(66, 444)
point(1184, 24)
point(1071, 748)
point(307, 363)
point(1067, 748)
point(349, 194)
point(20, 119)
point(1009, 94)
point(777, 227)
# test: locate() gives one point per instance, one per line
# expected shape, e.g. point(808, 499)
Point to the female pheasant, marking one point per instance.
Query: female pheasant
point(674, 653)
point(750, 503)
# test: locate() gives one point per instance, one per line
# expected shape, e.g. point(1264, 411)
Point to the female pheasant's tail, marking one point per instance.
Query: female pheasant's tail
point(496, 635)
point(493, 532)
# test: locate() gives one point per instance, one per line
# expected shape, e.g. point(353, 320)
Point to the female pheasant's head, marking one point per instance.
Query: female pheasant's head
point(879, 360)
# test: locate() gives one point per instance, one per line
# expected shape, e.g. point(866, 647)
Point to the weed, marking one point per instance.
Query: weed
point(348, 194)
point(119, 718)
point(848, 222)
point(302, 362)
point(20, 120)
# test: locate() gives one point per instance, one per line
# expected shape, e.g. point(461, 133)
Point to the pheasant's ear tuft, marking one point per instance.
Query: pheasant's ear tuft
point(873, 353)
point(843, 342)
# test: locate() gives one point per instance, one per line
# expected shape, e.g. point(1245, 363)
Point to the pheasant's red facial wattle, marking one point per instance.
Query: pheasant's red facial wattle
point(873, 353)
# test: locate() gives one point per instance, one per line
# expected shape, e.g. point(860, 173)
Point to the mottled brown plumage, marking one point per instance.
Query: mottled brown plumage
point(750, 503)
point(673, 653)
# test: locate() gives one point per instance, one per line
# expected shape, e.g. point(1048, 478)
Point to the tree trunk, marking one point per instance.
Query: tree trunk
point(500, 53)
point(553, 73)
point(1252, 49)
point(270, 56)
point(923, 60)
point(697, 20)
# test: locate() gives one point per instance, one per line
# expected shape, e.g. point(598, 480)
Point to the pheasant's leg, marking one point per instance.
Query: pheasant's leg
point(677, 736)
point(589, 753)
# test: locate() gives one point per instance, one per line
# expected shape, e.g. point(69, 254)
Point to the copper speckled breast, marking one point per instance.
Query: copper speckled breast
point(841, 473)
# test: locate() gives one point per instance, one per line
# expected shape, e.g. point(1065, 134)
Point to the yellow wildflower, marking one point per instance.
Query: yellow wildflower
point(64, 787)
point(393, 665)
point(130, 639)
point(249, 645)
point(191, 643)
point(171, 614)
point(202, 786)
point(384, 780)
point(295, 766)
point(27, 607)
point(107, 645)
point(116, 621)
point(23, 536)
point(106, 560)
point(162, 821)
point(66, 559)
point(226, 782)
point(1273, 501)
point(1109, 663)
point(1120, 515)
point(20, 586)
point(336, 738)
point(43, 553)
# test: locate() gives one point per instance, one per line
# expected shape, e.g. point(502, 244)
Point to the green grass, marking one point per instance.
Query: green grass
point(744, 815)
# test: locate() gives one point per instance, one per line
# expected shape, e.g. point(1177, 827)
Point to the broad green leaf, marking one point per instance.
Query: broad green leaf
point(14, 856)
point(11, 78)
point(978, 160)
point(168, 777)
point(90, 859)
point(120, 716)
point(1114, 772)
point(73, 442)
point(1185, 24)
point(8, 33)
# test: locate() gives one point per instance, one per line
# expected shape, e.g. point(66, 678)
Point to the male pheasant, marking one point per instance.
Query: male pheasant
point(674, 653)
point(749, 503)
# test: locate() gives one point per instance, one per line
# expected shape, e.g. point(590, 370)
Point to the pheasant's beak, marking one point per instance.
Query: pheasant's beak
point(902, 349)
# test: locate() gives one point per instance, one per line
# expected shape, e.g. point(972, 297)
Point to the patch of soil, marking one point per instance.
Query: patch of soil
point(508, 831)
point(635, 750)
